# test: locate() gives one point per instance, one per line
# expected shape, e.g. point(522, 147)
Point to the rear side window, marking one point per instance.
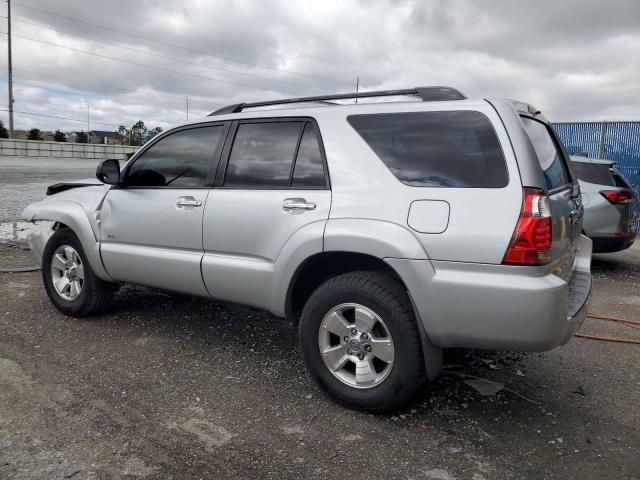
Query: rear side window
point(276, 155)
point(436, 149)
point(181, 159)
point(549, 156)
point(598, 173)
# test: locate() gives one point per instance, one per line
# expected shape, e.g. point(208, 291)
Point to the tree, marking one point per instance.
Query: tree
point(122, 135)
point(4, 133)
point(138, 133)
point(34, 134)
point(153, 133)
point(58, 136)
point(82, 137)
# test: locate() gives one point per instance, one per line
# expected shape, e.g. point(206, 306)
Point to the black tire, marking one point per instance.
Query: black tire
point(389, 300)
point(95, 294)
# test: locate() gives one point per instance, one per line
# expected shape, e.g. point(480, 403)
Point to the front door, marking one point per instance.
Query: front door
point(274, 190)
point(151, 225)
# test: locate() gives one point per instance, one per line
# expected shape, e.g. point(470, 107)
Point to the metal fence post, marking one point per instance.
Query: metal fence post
point(603, 140)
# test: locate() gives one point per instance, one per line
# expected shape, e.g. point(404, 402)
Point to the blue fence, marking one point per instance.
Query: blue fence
point(617, 141)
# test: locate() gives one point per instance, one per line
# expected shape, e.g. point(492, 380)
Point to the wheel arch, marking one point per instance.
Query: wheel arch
point(65, 213)
point(319, 267)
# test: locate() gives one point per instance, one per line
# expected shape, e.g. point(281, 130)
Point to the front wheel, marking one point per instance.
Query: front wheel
point(68, 278)
point(361, 343)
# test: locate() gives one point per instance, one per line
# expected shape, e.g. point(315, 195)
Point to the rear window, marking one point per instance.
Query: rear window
point(598, 173)
point(549, 156)
point(436, 149)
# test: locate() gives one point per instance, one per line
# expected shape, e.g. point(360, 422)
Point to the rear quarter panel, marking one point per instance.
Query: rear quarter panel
point(481, 221)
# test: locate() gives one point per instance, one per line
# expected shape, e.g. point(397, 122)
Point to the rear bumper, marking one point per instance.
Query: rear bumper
point(498, 307)
point(613, 243)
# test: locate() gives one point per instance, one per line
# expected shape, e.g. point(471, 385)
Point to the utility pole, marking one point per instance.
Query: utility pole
point(357, 87)
point(10, 69)
point(187, 98)
point(88, 120)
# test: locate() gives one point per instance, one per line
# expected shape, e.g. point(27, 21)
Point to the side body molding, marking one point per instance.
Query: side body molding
point(74, 216)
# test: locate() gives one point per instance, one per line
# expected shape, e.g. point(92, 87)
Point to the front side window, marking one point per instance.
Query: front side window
point(436, 149)
point(181, 159)
point(549, 156)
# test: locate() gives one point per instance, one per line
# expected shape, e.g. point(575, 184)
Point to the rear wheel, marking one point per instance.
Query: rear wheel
point(68, 278)
point(360, 342)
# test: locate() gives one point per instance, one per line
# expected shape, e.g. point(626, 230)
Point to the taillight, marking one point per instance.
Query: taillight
point(617, 197)
point(531, 241)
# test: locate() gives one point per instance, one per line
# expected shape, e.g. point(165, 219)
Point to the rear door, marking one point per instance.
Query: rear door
point(272, 187)
point(566, 207)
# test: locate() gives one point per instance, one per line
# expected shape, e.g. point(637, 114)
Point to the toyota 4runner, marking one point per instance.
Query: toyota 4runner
point(387, 230)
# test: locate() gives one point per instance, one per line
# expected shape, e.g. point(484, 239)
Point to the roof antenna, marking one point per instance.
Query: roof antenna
point(357, 88)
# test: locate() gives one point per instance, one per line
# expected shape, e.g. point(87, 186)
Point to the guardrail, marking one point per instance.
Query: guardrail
point(37, 148)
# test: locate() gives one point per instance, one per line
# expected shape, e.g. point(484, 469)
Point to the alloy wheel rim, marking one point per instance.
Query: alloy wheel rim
point(67, 272)
point(356, 345)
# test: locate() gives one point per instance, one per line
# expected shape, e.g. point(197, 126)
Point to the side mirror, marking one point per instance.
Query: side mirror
point(108, 172)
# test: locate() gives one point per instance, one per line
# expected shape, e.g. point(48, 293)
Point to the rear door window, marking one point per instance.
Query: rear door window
point(436, 149)
point(548, 153)
point(276, 155)
point(262, 154)
point(309, 168)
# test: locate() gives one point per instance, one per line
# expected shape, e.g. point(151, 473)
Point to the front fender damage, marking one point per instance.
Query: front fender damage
point(82, 218)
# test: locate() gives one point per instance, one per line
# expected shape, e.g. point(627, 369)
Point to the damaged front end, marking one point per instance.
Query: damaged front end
point(77, 208)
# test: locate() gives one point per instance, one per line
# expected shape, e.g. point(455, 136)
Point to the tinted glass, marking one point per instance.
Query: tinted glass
point(436, 149)
point(620, 181)
point(309, 169)
point(181, 159)
point(550, 158)
point(262, 154)
point(597, 173)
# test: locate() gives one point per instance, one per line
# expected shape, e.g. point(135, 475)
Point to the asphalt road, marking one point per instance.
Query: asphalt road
point(166, 386)
point(24, 180)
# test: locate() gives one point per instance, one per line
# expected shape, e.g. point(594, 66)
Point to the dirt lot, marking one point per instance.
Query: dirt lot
point(165, 386)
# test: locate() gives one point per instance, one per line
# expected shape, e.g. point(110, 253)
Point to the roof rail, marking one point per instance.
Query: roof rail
point(426, 94)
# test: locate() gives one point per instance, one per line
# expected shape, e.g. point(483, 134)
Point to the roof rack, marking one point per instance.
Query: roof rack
point(426, 94)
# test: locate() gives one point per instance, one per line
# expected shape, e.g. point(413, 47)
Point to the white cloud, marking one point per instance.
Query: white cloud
point(576, 60)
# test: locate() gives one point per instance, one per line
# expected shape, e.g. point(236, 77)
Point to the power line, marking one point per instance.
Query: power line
point(82, 92)
point(102, 85)
point(61, 118)
point(141, 64)
point(167, 44)
point(73, 119)
point(167, 57)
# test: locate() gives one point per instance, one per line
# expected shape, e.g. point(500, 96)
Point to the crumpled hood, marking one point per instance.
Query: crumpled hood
point(88, 198)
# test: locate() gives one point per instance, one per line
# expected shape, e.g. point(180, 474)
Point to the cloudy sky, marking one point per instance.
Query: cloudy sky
point(127, 60)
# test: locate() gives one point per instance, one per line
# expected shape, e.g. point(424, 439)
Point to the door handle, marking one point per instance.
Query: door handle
point(291, 204)
point(182, 202)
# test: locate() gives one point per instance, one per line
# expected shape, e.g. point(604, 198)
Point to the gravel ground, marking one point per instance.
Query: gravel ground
point(166, 386)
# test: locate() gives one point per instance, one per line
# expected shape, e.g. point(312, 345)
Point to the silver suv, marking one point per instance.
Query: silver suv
point(388, 230)
point(608, 199)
